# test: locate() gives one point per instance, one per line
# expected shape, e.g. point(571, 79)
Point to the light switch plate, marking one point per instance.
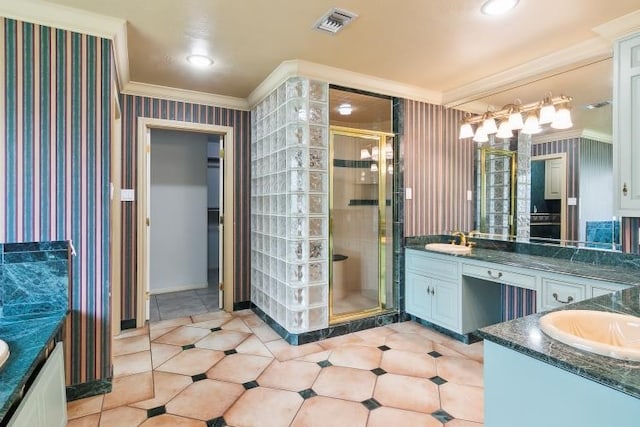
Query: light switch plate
point(127, 195)
point(408, 193)
point(469, 195)
point(572, 201)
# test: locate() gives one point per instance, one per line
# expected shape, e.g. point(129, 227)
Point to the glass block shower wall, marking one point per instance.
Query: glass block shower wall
point(290, 206)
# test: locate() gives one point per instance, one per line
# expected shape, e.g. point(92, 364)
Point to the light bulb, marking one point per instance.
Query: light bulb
point(374, 152)
point(498, 7)
point(345, 109)
point(374, 167)
point(515, 120)
point(481, 135)
point(489, 125)
point(466, 131)
point(562, 119)
point(364, 154)
point(200, 61)
point(531, 125)
point(547, 113)
point(504, 131)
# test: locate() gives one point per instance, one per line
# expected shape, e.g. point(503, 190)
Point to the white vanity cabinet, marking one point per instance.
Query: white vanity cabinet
point(557, 290)
point(433, 289)
point(626, 126)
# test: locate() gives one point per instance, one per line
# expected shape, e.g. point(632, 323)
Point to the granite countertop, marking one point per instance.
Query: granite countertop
point(524, 335)
point(624, 274)
point(27, 338)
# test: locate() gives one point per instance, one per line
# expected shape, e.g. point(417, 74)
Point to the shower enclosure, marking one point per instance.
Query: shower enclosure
point(361, 235)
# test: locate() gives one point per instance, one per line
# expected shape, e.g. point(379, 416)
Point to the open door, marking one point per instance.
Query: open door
point(221, 229)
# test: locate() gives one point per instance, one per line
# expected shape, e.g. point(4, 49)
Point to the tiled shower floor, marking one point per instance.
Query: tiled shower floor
point(218, 369)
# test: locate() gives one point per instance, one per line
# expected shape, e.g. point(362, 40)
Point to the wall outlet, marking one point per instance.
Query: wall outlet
point(408, 193)
point(127, 195)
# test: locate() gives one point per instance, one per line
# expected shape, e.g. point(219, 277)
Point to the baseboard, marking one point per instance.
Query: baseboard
point(128, 324)
point(191, 287)
point(88, 389)
point(242, 305)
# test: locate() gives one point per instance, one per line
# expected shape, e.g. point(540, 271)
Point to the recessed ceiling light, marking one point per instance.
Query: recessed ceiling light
point(345, 109)
point(498, 7)
point(201, 61)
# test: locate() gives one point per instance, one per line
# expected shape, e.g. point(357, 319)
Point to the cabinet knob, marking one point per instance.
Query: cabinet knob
point(433, 291)
point(624, 189)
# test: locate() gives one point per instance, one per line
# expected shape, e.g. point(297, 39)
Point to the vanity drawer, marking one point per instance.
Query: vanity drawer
point(495, 273)
point(556, 293)
point(442, 266)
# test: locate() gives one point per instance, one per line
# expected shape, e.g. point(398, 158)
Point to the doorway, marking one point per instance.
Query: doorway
point(147, 219)
point(548, 198)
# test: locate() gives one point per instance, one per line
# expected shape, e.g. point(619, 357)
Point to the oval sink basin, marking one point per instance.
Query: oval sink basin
point(448, 248)
point(608, 334)
point(4, 352)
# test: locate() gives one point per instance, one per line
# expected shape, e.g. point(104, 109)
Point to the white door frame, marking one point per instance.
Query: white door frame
point(228, 234)
point(564, 212)
point(115, 217)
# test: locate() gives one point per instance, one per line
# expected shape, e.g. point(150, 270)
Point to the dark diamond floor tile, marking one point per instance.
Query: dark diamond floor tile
point(251, 384)
point(324, 364)
point(229, 352)
point(438, 380)
point(216, 329)
point(379, 371)
point(188, 346)
point(434, 354)
point(307, 394)
point(384, 348)
point(371, 404)
point(217, 422)
point(198, 377)
point(442, 416)
point(154, 412)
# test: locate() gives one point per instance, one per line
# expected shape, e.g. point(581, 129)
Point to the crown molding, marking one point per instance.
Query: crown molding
point(338, 76)
point(597, 136)
point(579, 54)
point(175, 94)
point(557, 136)
point(619, 27)
point(76, 20)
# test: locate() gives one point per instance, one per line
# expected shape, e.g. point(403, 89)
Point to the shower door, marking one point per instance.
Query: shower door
point(360, 232)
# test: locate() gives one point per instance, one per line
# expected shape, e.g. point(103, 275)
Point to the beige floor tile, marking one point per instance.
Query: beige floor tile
point(341, 341)
point(123, 416)
point(157, 333)
point(165, 387)
point(222, 340)
point(447, 351)
point(460, 371)
point(88, 421)
point(463, 423)
point(473, 351)
point(160, 353)
point(205, 399)
point(408, 327)
point(323, 411)
point(128, 333)
point(265, 333)
point(183, 335)
point(316, 357)
point(402, 392)
point(129, 389)
point(129, 364)
point(264, 407)
point(375, 337)
point(81, 407)
point(170, 322)
point(212, 323)
point(409, 342)
point(252, 345)
point(243, 313)
point(291, 375)
point(462, 401)
point(239, 368)
point(345, 383)
point(282, 350)
point(130, 345)
point(386, 417)
point(408, 363)
point(236, 325)
point(196, 318)
point(168, 420)
point(356, 356)
point(192, 362)
point(252, 320)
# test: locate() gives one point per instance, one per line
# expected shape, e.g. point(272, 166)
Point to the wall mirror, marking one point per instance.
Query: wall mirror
point(564, 179)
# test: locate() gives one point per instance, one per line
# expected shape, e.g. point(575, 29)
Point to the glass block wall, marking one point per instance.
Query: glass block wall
point(290, 206)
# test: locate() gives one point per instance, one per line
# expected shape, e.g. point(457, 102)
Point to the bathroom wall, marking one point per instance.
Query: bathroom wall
point(596, 182)
point(138, 106)
point(177, 237)
point(55, 91)
point(439, 168)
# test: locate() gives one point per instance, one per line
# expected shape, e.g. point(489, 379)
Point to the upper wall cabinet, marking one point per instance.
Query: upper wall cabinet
point(626, 125)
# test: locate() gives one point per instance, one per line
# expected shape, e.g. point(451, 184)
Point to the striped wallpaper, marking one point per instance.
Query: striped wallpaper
point(439, 168)
point(136, 106)
point(54, 96)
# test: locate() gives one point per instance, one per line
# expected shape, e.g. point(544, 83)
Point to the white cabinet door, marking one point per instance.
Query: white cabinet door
point(626, 126)
point(418, 296)
point(444, 304)
point(554, 174)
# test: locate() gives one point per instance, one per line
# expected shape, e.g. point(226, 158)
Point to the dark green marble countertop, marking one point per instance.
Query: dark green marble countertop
point(624, 273)
point(524, 335)
point(27, 339)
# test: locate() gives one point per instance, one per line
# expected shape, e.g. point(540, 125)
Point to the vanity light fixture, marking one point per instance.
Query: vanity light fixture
point(345, 109)
point(200, 61)
point(390, 169)
point(364, 154)
point(374, 167)
point(510, 117)
point(547, 110)
point(498, 7)
point(374, 153)
point(388, 151)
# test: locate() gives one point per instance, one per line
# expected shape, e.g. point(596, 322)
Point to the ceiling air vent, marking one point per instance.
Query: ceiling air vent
point(598, 105)
point(334, 20)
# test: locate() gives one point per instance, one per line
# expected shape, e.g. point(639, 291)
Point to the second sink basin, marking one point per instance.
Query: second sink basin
point(448, 248)
point(608, 334)
point(4, 352)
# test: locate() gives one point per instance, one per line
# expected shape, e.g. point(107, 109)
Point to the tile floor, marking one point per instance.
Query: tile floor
point(185, 303)
point(218, 369)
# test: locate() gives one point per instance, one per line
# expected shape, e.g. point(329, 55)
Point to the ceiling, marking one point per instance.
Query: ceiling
point(435, 45)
